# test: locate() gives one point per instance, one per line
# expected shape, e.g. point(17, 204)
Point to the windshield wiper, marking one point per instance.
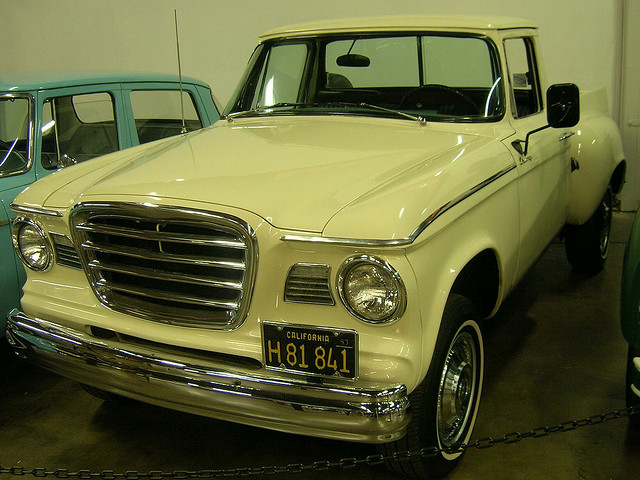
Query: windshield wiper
point(417, 118)
point(262, 110)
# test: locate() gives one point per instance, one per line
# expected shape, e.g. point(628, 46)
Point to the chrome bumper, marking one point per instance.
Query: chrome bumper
point(374, 415)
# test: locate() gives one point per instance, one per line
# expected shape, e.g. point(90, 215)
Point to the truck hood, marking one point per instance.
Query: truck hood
point(294, 172)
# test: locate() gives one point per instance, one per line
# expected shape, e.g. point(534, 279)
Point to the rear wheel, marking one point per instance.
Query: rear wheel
point(587, 245)
point(444, 406)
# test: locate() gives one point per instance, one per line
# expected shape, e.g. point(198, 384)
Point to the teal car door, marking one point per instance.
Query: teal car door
point(16, 172)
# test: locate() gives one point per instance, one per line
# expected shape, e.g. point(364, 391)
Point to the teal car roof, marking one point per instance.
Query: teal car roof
point(17, 82)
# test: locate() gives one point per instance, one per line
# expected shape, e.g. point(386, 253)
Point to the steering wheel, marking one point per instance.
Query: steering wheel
point(12, 161)
point(443, 99)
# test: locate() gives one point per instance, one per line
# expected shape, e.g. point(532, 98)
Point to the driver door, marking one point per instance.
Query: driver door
point(545, 168)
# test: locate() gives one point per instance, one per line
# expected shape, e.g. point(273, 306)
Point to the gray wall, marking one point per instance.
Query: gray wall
point(578, 37)
point(580, 40)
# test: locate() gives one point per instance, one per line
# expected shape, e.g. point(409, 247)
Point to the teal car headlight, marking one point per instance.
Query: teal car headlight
point(371, 289)
point(32, 244)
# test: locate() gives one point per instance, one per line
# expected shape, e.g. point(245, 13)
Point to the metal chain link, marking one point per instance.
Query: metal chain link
point(344, 463)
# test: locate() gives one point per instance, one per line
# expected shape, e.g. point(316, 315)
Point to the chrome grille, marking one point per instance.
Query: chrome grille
point(173, 265)
point(308, 283)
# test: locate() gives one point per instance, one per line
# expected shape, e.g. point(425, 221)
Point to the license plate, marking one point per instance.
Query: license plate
point(310, 350)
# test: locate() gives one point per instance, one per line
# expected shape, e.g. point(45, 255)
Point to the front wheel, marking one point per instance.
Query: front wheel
point(587, 245)
point(445, 405)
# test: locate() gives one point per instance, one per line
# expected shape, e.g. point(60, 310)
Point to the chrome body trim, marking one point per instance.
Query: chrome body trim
point(372, 413)
point(30, 132)
point(34, 210)
point(65, 251)
point(399, 242)
point(309, 283)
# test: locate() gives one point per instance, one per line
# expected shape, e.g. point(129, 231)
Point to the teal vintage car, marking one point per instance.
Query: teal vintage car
point(53, 120)
point(630, 316)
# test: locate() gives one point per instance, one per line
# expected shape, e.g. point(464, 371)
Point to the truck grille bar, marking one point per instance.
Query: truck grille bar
point(173, 265)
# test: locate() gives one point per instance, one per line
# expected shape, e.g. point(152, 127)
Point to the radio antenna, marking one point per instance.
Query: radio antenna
point(175, 19)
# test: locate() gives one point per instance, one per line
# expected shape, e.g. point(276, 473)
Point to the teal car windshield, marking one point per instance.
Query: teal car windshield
point(15, 126)
point(433, 77)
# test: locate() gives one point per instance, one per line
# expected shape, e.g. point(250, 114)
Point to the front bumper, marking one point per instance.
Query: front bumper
point(376, 414)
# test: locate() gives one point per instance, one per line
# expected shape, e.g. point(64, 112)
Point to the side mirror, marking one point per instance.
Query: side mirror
point(563, 111)
point(563, 105)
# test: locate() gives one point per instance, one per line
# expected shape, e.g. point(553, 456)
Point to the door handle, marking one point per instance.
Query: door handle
point(566, 135)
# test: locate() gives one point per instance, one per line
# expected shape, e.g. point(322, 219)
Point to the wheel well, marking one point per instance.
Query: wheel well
point(618, 177)
point(479, 281)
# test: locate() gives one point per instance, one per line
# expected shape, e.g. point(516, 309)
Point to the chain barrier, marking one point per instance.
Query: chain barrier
point(343, 463)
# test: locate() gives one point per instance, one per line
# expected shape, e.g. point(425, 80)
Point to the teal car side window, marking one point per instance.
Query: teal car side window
point(76, 128)
point(160, 113)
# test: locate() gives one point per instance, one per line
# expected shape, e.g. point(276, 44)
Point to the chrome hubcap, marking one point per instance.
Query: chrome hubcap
point(458, 387)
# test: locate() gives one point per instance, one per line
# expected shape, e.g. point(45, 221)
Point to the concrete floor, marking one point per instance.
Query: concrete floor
point(553, 354)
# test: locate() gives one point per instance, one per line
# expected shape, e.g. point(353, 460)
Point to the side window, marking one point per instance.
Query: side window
point(76, 128)
point(158, 113)
point(280, 80)
point(523, 77)
point(14, 134)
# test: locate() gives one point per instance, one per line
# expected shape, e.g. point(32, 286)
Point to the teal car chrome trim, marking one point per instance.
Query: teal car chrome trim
point(29, 81)
point(30, 141)
point(37, 211)
point(399, 242)
point(225, 390)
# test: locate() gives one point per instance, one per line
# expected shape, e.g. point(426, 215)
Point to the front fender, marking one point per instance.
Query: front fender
point(445, 248)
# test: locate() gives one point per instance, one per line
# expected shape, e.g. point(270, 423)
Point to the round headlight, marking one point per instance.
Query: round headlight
point(371, 290)
point(32, 244)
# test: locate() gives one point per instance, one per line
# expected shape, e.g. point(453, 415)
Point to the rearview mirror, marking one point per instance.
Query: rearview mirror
point(563, 105)
point(353, 60)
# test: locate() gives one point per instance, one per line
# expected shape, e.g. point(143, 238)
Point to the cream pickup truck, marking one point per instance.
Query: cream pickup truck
point(318, 260)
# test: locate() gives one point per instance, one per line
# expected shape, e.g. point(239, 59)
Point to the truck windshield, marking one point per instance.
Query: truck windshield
point(15, 124)
point(434, 77)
